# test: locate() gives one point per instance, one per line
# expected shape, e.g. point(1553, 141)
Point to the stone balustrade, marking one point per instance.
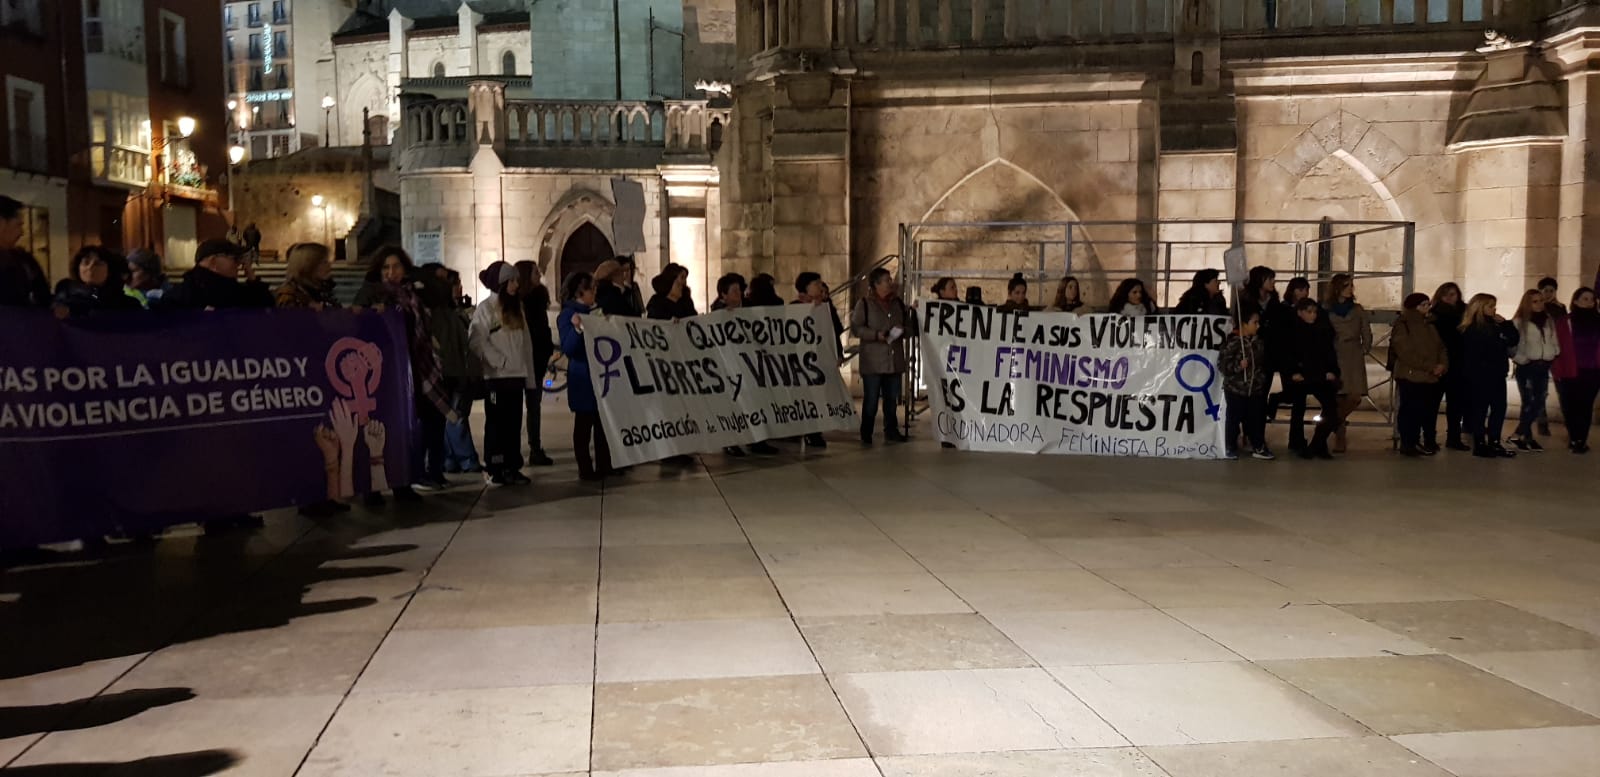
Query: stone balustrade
point(775, 24)
point(671, 126)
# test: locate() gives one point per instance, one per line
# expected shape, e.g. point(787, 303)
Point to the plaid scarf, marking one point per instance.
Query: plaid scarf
point(425, 369)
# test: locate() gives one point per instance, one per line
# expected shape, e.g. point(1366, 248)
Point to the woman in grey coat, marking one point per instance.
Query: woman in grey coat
point(1352, 339)
point(882, 323)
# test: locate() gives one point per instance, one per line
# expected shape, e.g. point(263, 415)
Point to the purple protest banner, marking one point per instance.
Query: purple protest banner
point(132, 422)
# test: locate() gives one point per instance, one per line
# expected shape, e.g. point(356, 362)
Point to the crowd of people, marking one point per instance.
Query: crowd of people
point(1446, 350)
point(1448, 354)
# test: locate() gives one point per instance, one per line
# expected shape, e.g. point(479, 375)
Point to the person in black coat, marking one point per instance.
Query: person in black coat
point(1487, 340)
point(1278, 320)
point(671, 301)
point(1312, 367)
point(1449, 306)
point(214, 282)
point(96, 285)
point(1204, 297)
point(536, 311)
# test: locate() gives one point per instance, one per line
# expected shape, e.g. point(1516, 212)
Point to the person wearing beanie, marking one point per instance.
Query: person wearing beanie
point(1419, 362)
point(499, 338)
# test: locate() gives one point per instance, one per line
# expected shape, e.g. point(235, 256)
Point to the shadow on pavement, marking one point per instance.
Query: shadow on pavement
point(196, 764)
point(86, 713)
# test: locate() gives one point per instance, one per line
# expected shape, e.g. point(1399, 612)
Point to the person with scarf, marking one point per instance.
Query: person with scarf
point(391, 283)
point(578, 300)
point(1352, 339)
point(883, 325)
point(1016, 295)
point(615, 292)
point(1418, 360)
point(1577, 367)
point(96, 285)
point(310, 267)
point(1069, 297)
point(1537, 348)
point(1449, 306)
point(1486, 339)
point(499, 336)
point(1132, 299)
point(536, 312)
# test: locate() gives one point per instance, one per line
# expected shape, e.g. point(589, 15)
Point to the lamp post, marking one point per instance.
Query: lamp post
point(235, 156)
point(327, 123)
point(318, 201)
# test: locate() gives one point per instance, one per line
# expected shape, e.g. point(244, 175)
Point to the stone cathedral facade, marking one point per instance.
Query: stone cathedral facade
point(1456, 136)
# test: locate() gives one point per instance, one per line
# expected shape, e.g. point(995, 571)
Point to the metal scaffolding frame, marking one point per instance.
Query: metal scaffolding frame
point(1312, 259)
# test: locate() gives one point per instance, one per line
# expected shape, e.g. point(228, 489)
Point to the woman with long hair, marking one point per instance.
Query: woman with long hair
point(763, 292)
point(499, 336)
point(1577, 367)
point(1538, 345)
point(1016, 294)
point(1486, 338)
point(577, 300)
point(1352, 339)
point(1069, 297)
point(1204, 296)
point(1449, 306)
point(1132, 299)
point(536, 312)
point(306, 284)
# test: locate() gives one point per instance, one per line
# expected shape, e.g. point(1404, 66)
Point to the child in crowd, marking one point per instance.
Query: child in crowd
point(1245, 377)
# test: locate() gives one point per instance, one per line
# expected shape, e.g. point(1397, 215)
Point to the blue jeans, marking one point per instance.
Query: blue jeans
point(885, 388)
point(1533, 383)
point(461, 454)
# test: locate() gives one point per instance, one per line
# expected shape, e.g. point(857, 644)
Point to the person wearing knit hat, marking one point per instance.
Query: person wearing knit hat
point(499, 337)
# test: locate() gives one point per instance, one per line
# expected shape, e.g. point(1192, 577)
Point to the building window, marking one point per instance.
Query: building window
point(283, 78)
point(508, 64)
point(279, 16)
point(438, 70)
point(255, 47)
point(119, 138)
point(174, 50)
point(256, 84)
point(227, 18)
point(94, 34)
point(280, 43)
point(253, 14)
point(227, 50)
point(27, 130)
point(378, 127)
point(182, 166)
point(22, 16)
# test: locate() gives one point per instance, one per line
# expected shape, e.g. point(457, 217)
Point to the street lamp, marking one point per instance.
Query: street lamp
point(318, 201)
point(235, 156)
point(327, 125)
point(185, 126)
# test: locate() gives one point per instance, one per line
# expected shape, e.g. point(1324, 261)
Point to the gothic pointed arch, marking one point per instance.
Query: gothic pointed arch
point(575, 209)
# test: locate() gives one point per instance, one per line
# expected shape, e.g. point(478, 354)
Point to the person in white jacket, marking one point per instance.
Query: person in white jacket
point(1536, 351)
point(499, 337)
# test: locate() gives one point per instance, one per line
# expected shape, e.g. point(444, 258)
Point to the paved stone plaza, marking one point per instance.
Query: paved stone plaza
point(902, 611)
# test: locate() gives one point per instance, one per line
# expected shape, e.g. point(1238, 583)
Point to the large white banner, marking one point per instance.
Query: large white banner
point(726, 378)
point(1102, 385)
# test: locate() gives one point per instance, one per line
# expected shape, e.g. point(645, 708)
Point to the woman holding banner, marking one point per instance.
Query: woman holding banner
point(1204, 297)
point(577, 300)
point(1132, 299)
point(882, 323)
point(1069, 297)
point(1016, 294)
point(499, 336)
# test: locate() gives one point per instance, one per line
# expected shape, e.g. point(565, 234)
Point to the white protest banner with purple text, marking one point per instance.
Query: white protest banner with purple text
point(1061, 383)
point(725, 378)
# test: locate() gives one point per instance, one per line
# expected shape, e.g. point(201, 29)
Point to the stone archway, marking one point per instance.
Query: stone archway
point(578, 208)
point(1000, 191)
point(584, 250)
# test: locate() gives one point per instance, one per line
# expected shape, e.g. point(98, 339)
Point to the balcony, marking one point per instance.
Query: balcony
point(120, 165)
point(570, 132)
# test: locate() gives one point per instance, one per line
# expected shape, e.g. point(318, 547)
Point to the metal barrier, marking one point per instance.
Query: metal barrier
point(1157, 252)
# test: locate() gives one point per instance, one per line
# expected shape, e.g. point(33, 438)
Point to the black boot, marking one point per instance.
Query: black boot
point(1481, 449)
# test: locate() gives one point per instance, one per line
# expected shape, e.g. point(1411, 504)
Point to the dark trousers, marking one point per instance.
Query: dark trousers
point(461, 453)
point(1533, 385)
point(1250, 412)
point(876, 388)
point(1486, 408)
point(1577, 403)
point(1417, 419)
point(1327, 396)
point(586, 429)
point(1455, 405)
point(502, 424)
point(428, 455)
point(535, 397)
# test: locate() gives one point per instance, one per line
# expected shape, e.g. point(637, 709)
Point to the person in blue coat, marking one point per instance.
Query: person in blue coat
point(577, 299)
